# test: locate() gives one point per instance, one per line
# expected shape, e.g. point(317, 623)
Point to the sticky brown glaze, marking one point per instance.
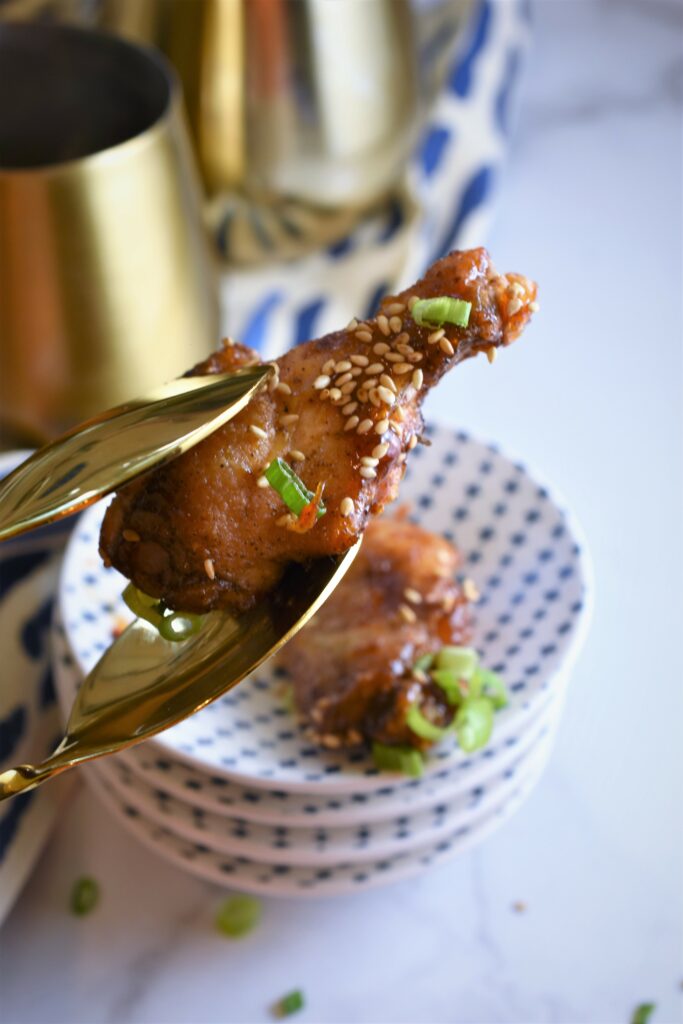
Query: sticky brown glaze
point(351, 668)
point(201, 533)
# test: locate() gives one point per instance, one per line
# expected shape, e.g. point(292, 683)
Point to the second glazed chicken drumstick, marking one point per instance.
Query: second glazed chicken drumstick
point(208, 531)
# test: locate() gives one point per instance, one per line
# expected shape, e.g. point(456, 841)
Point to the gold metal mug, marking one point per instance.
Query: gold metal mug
point(106, 280)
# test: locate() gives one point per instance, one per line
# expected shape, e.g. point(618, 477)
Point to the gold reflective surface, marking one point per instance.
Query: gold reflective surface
point(144, 684)
point(99, 456)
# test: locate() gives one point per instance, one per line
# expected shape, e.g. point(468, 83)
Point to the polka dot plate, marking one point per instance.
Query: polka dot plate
point(524, 552)
point(287, 880)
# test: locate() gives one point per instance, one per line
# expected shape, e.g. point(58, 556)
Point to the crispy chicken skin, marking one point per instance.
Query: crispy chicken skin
point(204, 532)
point(351, 666)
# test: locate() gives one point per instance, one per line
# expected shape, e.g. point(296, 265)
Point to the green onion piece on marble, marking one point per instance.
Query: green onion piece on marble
point(289, 1004)
point(474, 723)
point(397, 759)
point(238, 916)
point(421, 725)
point(84, 896)
point(643, 1012)
point(441, 310)
point(291, 489)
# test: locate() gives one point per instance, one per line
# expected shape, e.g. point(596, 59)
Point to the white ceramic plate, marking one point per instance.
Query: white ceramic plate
point(319, 846)
point(286, 880)
point(523, 551)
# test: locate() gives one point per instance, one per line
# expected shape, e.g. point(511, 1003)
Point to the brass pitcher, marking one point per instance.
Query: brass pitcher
point(106, 279)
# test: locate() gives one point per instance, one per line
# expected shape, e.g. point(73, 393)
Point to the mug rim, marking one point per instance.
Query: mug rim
point(149, 54)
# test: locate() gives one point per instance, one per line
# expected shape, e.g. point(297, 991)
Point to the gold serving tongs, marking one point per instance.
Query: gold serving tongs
point(144, 683)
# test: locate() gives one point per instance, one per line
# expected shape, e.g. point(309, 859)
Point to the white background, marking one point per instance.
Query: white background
point(591, 207)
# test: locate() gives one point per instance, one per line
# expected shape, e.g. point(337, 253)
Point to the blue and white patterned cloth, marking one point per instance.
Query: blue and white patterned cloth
point(445, 202)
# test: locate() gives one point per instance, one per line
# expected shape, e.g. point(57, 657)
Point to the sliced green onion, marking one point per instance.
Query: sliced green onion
point(180, 626)
point(424, 663)
point(291, 489)
point(421, 725)
point(489, 684)
point(461, 660)
point(474, 723)
point(397, 759)
point(454, 686)
point(643, 1012)
point(291, 1003)
point(84, 896)
point(142, 605)
point(441, 310)
point(238, 916)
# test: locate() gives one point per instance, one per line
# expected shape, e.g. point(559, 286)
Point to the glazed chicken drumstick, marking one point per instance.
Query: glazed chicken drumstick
point(208, 531)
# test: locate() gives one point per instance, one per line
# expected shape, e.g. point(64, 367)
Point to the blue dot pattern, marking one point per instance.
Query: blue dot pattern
point(517, 544)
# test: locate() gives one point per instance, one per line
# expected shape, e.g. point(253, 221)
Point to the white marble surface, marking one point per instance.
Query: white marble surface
point(592, 207)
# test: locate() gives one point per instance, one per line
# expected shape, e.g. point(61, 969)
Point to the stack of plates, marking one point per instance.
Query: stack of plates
point(238, 795)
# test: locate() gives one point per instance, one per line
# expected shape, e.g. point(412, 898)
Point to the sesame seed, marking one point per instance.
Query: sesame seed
point(516, 288)
point(288, 419)
point(209, 569)
point(375, 368)
point(406, 613)
point(446, 347)
point(402, 368)
point(347, 507)
point(362, 395)
point(328, 367)
point(469, 590)
point(356, 371)
point(491, 354)
point(364, 426)
point(331, 741)
point(381, 426)
point(412, 595)
point(394, 357)
point(387, 396)
point(514, 306)
point(364, 335)
point(284, 520)
point(374, 398)
point(414, 357)
point(352, 324)
point(417, 379)
point(321, 382)
point(344, 379)
point(371, 383)
point(342, 366)
point(402, 339)
point(335, 394)
point(534, 307)
point(412, 442)
point(359, 360)
point(396, 324)
point(396, 428)
point(368, 460)
point(132, 536)
point(348, 387)
point(297, 456)
point(388, 382)
point(367, 473)
point(351, 423)
point(262, 482)
point(383, 324)
point(380, 348)
point(435, 336)
point(259, 431)
point(395, 307)
point(380, 450)
point(283, 388)
point(228, 342)
point(351, 407)
point(400, 415)
point(412, 300)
